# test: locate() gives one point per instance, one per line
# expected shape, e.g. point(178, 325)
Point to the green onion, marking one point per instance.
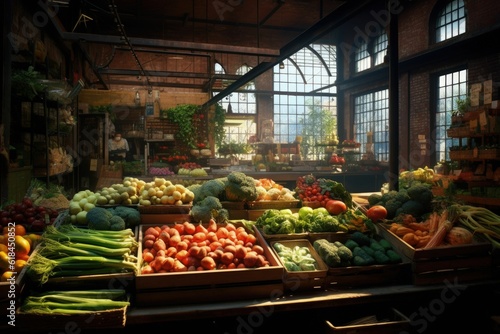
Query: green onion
point(74, 302)
point(52, 248)
point(76, 235)
point(96, 293)
point(41, 268)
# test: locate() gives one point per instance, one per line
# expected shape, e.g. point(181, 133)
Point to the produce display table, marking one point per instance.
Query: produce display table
point(354, 182)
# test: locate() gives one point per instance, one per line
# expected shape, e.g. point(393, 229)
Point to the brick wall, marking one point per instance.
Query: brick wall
point(416, 93)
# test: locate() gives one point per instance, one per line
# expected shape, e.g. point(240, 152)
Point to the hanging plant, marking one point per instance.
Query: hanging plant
point(27, 83)
point(182, 115)
point(219, 120)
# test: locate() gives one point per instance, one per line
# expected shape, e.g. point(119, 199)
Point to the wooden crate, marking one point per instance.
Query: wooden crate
point(110, 319)
point(303, 280)
point(372, 275)
point(210, 285)
point(330, 236)
point(279, 237)
point(386, 320)
point(165, 209)
point(466, 263)
point(255, 214)
point(119, 280)
point(265, 205)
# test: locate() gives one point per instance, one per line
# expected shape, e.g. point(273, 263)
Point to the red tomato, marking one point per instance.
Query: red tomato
point(335, 207)
point(376, 213)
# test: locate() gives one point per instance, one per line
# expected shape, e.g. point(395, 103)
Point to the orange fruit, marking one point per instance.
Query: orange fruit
point(20, 230)
point(23, 246)
point(6, 275)
point(19, 265)
point(3, 248)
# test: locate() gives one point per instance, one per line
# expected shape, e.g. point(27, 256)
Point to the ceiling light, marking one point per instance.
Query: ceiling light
point(282, 66)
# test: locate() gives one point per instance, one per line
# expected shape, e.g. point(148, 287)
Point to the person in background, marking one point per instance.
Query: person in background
point(118, 148)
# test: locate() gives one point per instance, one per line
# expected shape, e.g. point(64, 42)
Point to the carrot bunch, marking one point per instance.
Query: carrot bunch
point(413, 233)
point(189, 247)
point(437, 230)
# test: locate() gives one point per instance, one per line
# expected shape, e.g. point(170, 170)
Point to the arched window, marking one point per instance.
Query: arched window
point(450, 20)
point(362, 58)
point(371, 53)
point(305, 102)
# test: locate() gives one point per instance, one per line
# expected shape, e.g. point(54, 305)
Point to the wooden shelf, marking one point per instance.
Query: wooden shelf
point(487, 201)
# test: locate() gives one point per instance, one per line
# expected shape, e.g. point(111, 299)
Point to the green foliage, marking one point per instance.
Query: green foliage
point(182, 115)
point(274, 221)
point(27, 83)
point(317, 125)
point(219, 120)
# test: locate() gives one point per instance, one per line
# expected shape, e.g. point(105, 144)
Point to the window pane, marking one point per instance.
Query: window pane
point(371, 116)
point(451, 21)
point(298, 113)
point(455, 87)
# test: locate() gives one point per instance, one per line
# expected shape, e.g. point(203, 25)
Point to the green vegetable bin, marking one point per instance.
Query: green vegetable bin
point(303, 279)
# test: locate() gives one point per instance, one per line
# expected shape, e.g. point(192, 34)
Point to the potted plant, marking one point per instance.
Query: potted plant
point(457, 115)
point(234, 148)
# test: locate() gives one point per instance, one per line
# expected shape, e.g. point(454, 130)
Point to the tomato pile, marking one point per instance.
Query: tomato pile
point(309, 190)
point(33, 218)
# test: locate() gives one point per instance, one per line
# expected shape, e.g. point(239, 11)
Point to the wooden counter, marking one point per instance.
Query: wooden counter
point(410, 298)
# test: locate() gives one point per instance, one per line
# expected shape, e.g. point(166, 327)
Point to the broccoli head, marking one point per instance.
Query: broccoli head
point(374, 199)
point(131, 216)
point(422, 193)
point(116, 223)
point(402, 196)
point(389, 195)
point(214, 187)
point(196, 190)
point(209, 208)
point(392, 206)
point(98, 218)
point(411, 207)
point(240, 187)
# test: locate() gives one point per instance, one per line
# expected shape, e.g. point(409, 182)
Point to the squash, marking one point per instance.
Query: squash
point(458, 236)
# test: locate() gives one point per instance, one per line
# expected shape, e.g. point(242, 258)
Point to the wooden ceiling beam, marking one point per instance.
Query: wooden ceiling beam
point(172, 45)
